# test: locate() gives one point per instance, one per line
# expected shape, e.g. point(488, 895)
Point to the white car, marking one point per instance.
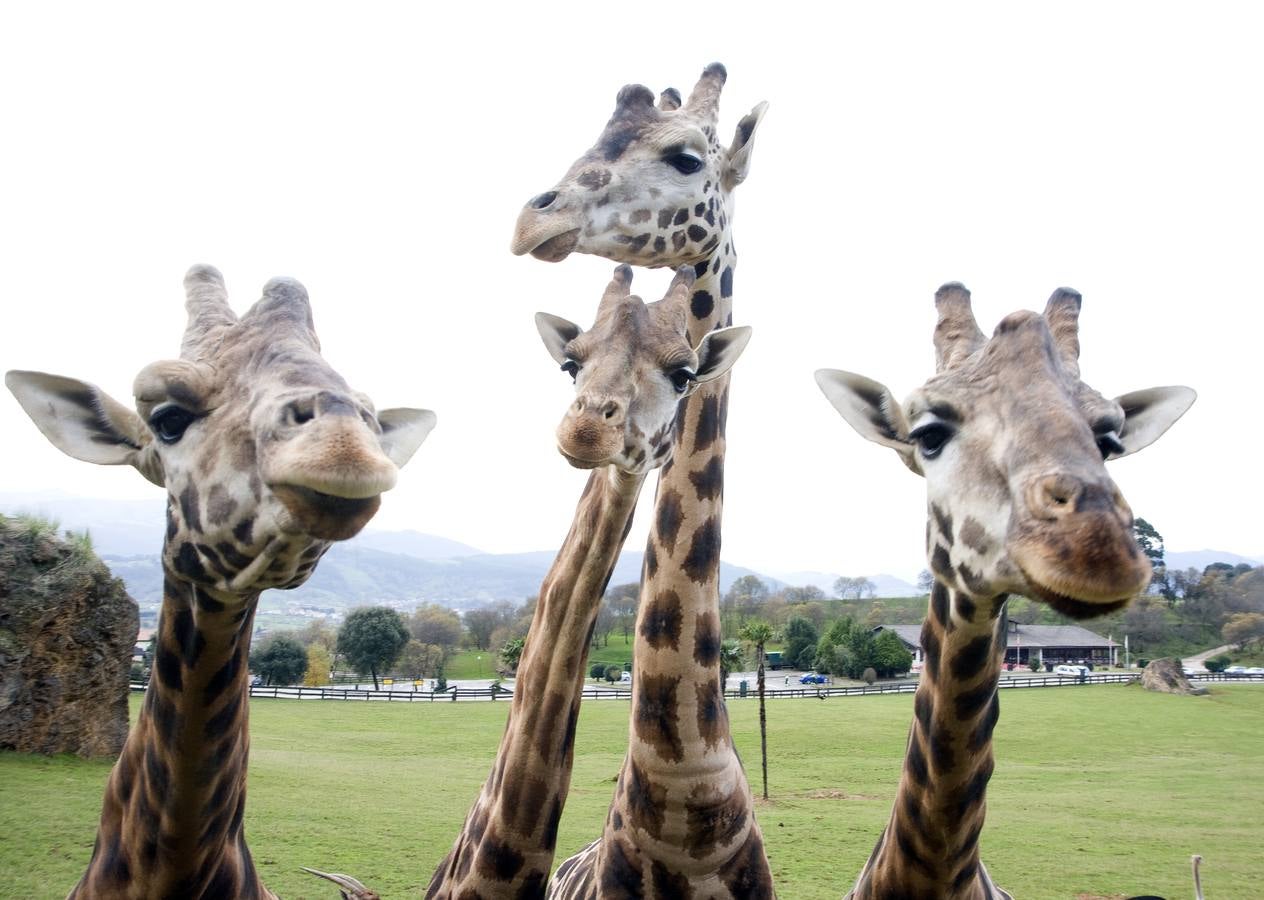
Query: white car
point(1074, 671)
point(1236, 670)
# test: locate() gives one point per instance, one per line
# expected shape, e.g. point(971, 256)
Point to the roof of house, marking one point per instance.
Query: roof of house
point(1050, 636)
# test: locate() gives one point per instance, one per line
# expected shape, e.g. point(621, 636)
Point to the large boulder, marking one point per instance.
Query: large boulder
point(1166, 675)
point(67, 632)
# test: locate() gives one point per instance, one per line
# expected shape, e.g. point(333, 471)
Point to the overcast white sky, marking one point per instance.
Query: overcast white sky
point(380, 153)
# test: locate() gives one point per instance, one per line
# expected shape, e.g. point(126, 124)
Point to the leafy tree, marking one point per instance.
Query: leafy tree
point(281, 660)
point(890, 656)
point(372, 638)
point(1217, 663)
point(319, 663)
point(925, 581)
point(742, 600)
point(1144, 621)
point(597, 670)
point(613, 674)
point(758, 634)
point(317, 632)
point(510, 654)
point(1243, 629)
point(435, 624)
point(730, 659)
point(869, 675)
point(603, 625)
point(800, 635)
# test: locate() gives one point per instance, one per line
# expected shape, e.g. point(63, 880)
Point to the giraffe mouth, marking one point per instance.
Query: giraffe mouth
point(326, 516)
point(1072, 606)
point(558, 247)
point(580, 463)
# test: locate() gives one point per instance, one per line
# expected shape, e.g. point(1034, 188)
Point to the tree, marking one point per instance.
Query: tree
point(281, 660)
point(801, 638)
point(479, 625)
point(758, 634)
point(438, 631)
point(319, 663)
point(890, 656)
point(858, 588)
point(510, 654)
point(1243, 629)
point(317, 633)
point(743, 599)
point(623, 600)
point(730, 659)
point(925, 581)
point(1144, 622)
point(1151, 544)
point(808, 593)
point(613, 674)
point(372, 638)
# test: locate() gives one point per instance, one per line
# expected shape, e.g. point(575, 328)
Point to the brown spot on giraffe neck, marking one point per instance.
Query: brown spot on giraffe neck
point(660, 626)
point(656, 716)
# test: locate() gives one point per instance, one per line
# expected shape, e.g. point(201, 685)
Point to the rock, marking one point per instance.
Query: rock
point(1167, 676)
point(67, 631)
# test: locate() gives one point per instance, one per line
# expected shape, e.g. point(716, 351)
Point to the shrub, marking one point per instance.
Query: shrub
point(440, 682)
point(869, 675)
point(1142, 662)
point(613, 673)
point(1217, 663)
point(1034, 665)
point(597, 670)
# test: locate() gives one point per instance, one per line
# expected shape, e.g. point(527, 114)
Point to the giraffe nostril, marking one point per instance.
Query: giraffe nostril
point(542, 201)
point(610, 409)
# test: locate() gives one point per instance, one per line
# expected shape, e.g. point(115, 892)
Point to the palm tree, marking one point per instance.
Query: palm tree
point(759, 633)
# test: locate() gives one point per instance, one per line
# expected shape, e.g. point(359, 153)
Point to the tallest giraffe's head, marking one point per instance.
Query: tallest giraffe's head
point(656, 188)
point(266, 453)
point(1013, 446)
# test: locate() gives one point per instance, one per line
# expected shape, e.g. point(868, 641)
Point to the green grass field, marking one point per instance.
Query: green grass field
point(1103, 790)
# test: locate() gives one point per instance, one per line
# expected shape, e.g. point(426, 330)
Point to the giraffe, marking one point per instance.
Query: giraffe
point(631, 371)
point(1012, 444)
point(267, 457)
point(655, 190)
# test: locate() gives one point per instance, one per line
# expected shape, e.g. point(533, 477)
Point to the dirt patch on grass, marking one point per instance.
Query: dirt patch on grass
point(836, 794)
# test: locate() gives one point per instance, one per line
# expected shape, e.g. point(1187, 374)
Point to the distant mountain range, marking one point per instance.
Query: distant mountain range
point(402, 567)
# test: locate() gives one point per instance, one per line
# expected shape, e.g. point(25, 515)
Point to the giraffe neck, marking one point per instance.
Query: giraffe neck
point(506, 846)
point(931, 843)
point(171, 823)
point(682, 818)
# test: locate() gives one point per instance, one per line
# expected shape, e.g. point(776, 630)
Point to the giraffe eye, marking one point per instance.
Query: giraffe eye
point(1108, 444)
point(931, 438)
point(170, 422)
point(571, 368)
point(684, 163)
point(681, 379)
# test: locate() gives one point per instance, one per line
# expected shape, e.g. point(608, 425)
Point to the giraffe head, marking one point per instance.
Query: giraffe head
point(656, 188)
point(631, 370)
point(1013, 448)
point(266, 453)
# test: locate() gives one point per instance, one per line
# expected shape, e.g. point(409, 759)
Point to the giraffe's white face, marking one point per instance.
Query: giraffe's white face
point(1012, 445)
point(266, 454)
point(631, 370)
point(656, 188)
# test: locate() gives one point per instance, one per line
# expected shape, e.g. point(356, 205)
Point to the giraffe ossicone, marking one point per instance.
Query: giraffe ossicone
point(1012, 444)
point(267, 457)
point(632, 370)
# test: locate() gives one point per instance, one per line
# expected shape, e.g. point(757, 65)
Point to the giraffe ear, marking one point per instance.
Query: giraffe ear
point(403, 430)
point(871, 409)
point(739, 155)
point(556, 333)
point(1149, 413)
point(719, 350)
point(85, 422)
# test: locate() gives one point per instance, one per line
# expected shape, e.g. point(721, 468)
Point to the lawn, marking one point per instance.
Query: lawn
point(1098, 789)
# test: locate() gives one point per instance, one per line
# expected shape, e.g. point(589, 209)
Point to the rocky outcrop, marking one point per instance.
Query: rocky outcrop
point(1167, 676)
point(67, 631)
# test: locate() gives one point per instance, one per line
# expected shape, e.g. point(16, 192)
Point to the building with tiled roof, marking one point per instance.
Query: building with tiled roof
point(1044, 643)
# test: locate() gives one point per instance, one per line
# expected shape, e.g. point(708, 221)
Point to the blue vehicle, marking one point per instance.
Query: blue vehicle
point(811, 678)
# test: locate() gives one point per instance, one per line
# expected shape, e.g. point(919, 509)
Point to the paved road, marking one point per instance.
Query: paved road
point(1195, 663)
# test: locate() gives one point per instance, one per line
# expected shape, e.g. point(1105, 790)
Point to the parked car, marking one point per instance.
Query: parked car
point(1236, 670)
point(625, 678)
point(811, 678)
point(256, 681)
point(1255, 670)
point(1072, 669)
